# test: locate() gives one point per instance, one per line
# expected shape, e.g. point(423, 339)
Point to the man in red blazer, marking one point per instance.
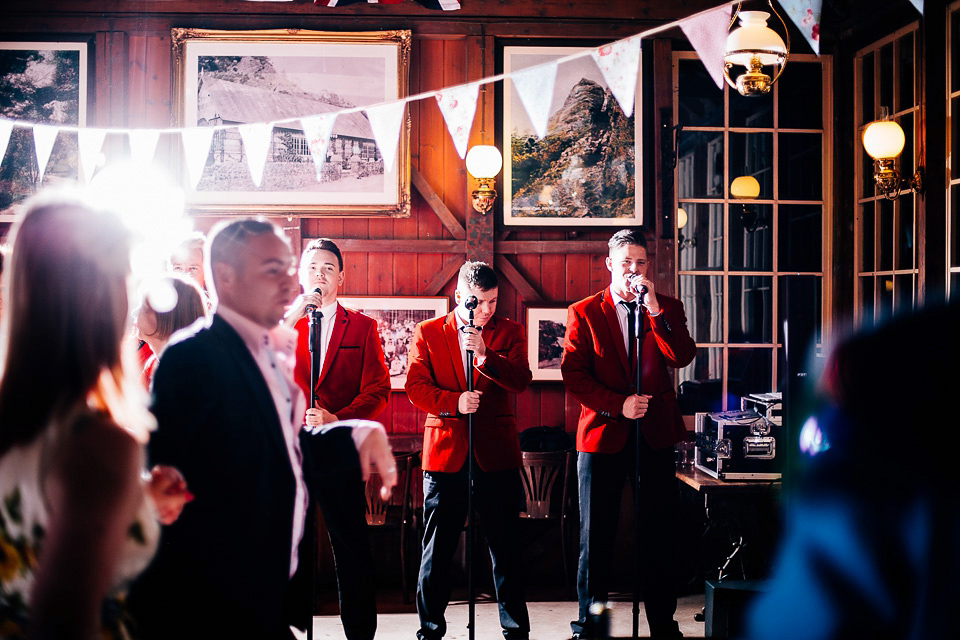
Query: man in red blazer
point(437, 384)
point(353, 383)
point(599, 369)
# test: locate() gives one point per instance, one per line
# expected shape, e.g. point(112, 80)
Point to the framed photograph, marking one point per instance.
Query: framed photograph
point(396, 318)
point(46, 83)
point(546, 327)
point(228, 78)
point(584, 171)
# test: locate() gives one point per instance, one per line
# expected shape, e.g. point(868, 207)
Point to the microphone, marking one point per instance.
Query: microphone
point(310, 308)
point(634, 281)
point(470, 304)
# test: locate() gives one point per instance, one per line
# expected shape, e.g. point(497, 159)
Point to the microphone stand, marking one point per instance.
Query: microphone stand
point(471, 304)
point(313, 342)
point(638, 386)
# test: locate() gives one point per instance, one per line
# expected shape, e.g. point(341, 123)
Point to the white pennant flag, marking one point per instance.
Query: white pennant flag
point(620, 63)
point(143, 142)
point(386, 121)
point(89, 143)
point(806, 15)
point(458, 106)
point(918, 4)
point(196, 148)
point(43, 137)
point(707, 32)
point(535, 89)
point(6, 127)
point(256, 144)
point(317, 130)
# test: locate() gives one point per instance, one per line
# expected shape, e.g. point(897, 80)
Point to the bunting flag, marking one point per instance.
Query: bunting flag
point(256, 144)
point(6, 128)
point(535, 89)
point(806, 15)
point(918, 4)
point(89, 143)
point(620, 63)
point(44, 136)
point(444, 5)
point(707, 32)
point(458, 106)
point(143, 142)
point(317, 131)
point(386, 121)
point(196, 148)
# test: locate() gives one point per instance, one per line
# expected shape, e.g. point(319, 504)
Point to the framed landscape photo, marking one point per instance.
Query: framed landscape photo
point(584, 171)
point(396, 318)
point(229, 78)
point(546, 327)
point(40, 83)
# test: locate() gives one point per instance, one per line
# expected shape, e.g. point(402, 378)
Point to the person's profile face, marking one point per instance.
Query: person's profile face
point(320, 269)
point(265, 284)
point(144, 321)
point(623, 262)
point(189, 261)
point(486, 303)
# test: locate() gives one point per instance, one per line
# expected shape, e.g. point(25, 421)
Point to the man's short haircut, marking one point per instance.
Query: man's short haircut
point(228, 240)
point(627, 236)
point(325, 244)
point(477, 275)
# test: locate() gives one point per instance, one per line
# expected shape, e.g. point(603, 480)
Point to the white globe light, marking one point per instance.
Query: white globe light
point(484, 161)
point(883, 139)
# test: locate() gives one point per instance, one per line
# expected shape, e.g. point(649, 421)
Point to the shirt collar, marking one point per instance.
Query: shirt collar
point(330, 311)
point(256, 337)
point(616, 298)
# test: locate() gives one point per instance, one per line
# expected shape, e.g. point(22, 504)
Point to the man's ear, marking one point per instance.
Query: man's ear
point(224, 277)
point(609, 264)
point(456, 296)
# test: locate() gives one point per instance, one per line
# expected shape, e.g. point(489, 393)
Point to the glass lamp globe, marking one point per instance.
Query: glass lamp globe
point(754, 38)
point(883, 139)
point(484, 161)
point(745, 188)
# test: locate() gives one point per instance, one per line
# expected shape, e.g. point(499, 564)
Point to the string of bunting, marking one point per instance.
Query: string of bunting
point(618, 61)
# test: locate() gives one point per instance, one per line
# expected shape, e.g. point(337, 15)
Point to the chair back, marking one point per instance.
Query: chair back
point(377, 508)
point(541, 472)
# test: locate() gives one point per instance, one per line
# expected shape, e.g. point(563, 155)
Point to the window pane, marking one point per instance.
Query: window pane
point(867, 297)
point(907, 159)
point(751, 154)
point(905, 235)
point(755, 111)
point(955, 225)
point(801, 166)
point(867, 238)
point(701, 239)
point(702, 298)
point(885, 232)
point(800, 95)
point(904, 292)
point(750, 309)
point(886, 76)
point(955, 286)
point(801, 237)
point(700, 164)
point(885, 297)
point(866, 93)
point(750, 371)
point(869, 185)
point(813, 304)
point(955, 45)
point(751, 237)
point(699, 101)
point(905, 66)
point(701, 385)
point(955, 127)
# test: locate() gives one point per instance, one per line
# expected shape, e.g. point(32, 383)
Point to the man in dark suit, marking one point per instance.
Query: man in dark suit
point(353, 383)
point(229, 416)
point(599, 369)
point(437, 384)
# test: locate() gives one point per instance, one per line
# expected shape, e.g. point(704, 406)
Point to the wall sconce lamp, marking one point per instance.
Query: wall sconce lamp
point(746, 188)
point(484, 163)
point(681, 223)
point(883, 141)
point(753, 45)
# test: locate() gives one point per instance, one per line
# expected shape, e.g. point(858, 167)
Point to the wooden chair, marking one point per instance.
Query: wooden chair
point(546, 481)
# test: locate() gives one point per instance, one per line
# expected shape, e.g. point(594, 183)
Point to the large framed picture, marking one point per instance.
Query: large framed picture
point(546, 327)
point(45, 83)
point(396, 318)
point(584, 171)
point(230, 78)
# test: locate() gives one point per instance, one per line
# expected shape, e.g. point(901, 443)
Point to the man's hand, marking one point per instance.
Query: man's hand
point(469, 401)
point(473, 341)
point(298, 308)
point(168, 489)
point(649, 301)
point(319, 417)
point(635, 406)
point(375, 451)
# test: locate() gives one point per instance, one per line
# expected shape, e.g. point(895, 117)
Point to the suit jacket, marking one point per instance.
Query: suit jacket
point(436, 378)
point(596, 372)
point(354, 382)
point(224, 566)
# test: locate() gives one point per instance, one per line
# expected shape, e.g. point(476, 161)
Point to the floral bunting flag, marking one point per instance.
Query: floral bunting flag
point(458, 106)
point(89, 143)
point(620, 63)
point(196, 148)
point(535, 88)
point(317, 131)
point(918, 4)
point(256, 144)
point(143, 142)
point(386, 121)
point(806, 15)
point(6, 127)
point(707, 32)
point(44, 136)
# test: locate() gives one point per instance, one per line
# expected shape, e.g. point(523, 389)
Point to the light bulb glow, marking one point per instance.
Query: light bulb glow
point(745, 188)
point(484, 161)
point(883, 139)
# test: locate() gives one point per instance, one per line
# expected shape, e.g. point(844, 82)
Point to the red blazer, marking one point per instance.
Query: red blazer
point(595, 371)
point(435, 380)
point(354, 382)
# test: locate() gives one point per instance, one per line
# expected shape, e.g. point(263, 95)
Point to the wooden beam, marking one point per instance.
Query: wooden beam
point(523, 287)
point(447, 271)
point(401, 246)
point(430, 196)
point(515, 247)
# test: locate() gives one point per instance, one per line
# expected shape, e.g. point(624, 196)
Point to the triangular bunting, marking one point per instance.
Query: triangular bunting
point(535, 89)
point(6, 128)
point(317, 131)
point(386, 121)
point(43, 137)
point(256, 144)
point(458, 106)
point(620, 63)
point(89, 143)
point(806, 15)
point(196, 148)
point(707, 32)
point(918, 4)
point(143, 142)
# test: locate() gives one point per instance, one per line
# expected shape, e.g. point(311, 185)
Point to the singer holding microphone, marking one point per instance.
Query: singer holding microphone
point(600, 370)
point(352, 383)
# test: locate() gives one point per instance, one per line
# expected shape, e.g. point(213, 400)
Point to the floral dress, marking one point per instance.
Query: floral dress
point(23, 523)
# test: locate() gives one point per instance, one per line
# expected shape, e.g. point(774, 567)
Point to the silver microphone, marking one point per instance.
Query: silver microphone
point(634, 280)
point(313, 307)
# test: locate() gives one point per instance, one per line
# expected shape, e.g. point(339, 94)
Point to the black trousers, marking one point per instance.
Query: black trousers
point(601, 477)
point(497, 500)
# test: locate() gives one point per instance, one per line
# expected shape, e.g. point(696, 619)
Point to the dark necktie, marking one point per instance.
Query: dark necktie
point(631, 331)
